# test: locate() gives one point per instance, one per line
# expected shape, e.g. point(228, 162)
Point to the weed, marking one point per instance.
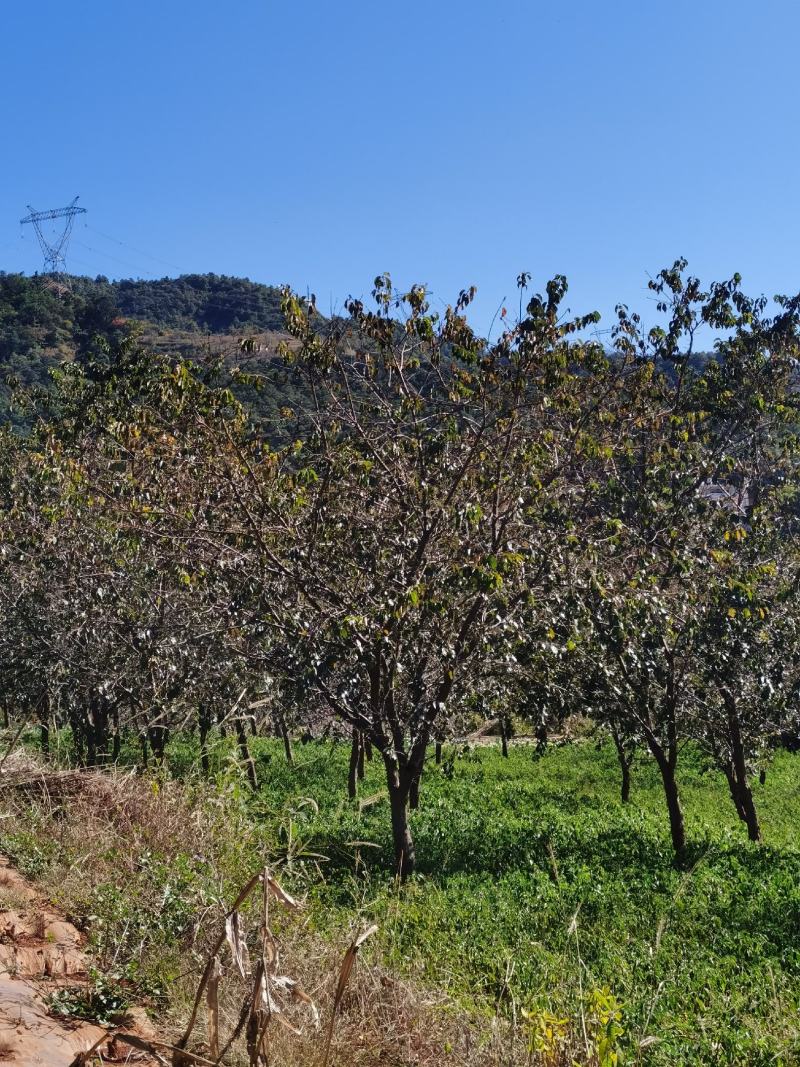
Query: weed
point(101, 1000)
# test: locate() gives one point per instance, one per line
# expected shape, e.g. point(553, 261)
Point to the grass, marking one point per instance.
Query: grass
point(540, 898)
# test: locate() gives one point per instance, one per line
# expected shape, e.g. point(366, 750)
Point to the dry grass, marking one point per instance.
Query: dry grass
point(102, 823)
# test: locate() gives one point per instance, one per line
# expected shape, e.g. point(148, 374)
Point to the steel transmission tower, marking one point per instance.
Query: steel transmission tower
point(54, 251)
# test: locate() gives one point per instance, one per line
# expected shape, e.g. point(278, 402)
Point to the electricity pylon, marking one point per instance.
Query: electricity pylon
point(54, 251)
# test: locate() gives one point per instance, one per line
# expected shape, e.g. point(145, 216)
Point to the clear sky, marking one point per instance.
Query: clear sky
point(446, 142)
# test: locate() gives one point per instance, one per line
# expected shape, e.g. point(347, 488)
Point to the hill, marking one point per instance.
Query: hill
point(211, 303)
point(42, 324)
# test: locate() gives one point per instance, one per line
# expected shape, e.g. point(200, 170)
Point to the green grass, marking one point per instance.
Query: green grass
point(536, 882)
point(537, 886)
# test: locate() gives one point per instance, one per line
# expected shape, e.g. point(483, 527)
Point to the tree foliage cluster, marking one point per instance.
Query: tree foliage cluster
point(445, 526)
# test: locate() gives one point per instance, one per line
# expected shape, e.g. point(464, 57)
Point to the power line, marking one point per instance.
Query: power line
point(116, 259)
point(124, 244)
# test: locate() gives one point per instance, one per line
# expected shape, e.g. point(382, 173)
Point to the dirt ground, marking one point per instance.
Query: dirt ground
point(40, 952)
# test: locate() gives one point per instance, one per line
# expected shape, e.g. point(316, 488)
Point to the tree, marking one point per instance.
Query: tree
point(427, 483)
point(645, 587)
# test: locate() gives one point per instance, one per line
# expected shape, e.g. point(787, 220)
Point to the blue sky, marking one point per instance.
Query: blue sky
point(448, 142)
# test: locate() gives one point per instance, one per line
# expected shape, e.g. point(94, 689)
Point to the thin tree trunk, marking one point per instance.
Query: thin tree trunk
point(503, 737)
point(204, 760)
point(676, 826)
point(244, 751)
point(352, 770)
point(360, 762)
point(624, 765)
point(116, 738)
point(625, 790)
point(287, 746)
point(203, 727)
point(45, 736)
point(438, 752)
point(746, 805)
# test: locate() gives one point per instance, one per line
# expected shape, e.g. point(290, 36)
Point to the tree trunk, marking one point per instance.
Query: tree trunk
point(625, 791)
point(159, 738)
point(97, 730)
point(45, 735)
point(749, 809)
point(733, 786)
point(746, 805)
point(677, 829)
point(413, 793)
point(287, 744)
point(438, 752)
point(624, 765)
point(91, 733)
point(116, 737)
point(203, 727)
point(360, 762)
point(352, 770)
point(541, 737)
point(503, 737)
point(244, 751)
point(204, 760)
point(399, 783)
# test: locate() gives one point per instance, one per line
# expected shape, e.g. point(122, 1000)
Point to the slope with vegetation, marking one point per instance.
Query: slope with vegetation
point(44, 324)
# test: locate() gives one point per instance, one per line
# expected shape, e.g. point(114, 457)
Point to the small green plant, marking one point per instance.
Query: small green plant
point(547, 1034)
point(101, 1000)
point(605, 1027)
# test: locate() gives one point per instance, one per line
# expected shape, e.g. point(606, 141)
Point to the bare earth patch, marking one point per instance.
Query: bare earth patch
point(41, 953)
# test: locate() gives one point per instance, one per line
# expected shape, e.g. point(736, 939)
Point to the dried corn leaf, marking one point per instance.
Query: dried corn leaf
point(234, 931)
point(281, 895)
point(344, 977)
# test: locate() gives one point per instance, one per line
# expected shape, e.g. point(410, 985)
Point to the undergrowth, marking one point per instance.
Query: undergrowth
point(544, 911)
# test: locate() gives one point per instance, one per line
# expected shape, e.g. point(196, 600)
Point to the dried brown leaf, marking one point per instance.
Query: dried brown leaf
point(234, 931)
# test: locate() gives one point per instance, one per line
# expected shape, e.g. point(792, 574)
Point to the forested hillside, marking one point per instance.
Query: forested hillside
point(43, 324)
point(213, 303)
